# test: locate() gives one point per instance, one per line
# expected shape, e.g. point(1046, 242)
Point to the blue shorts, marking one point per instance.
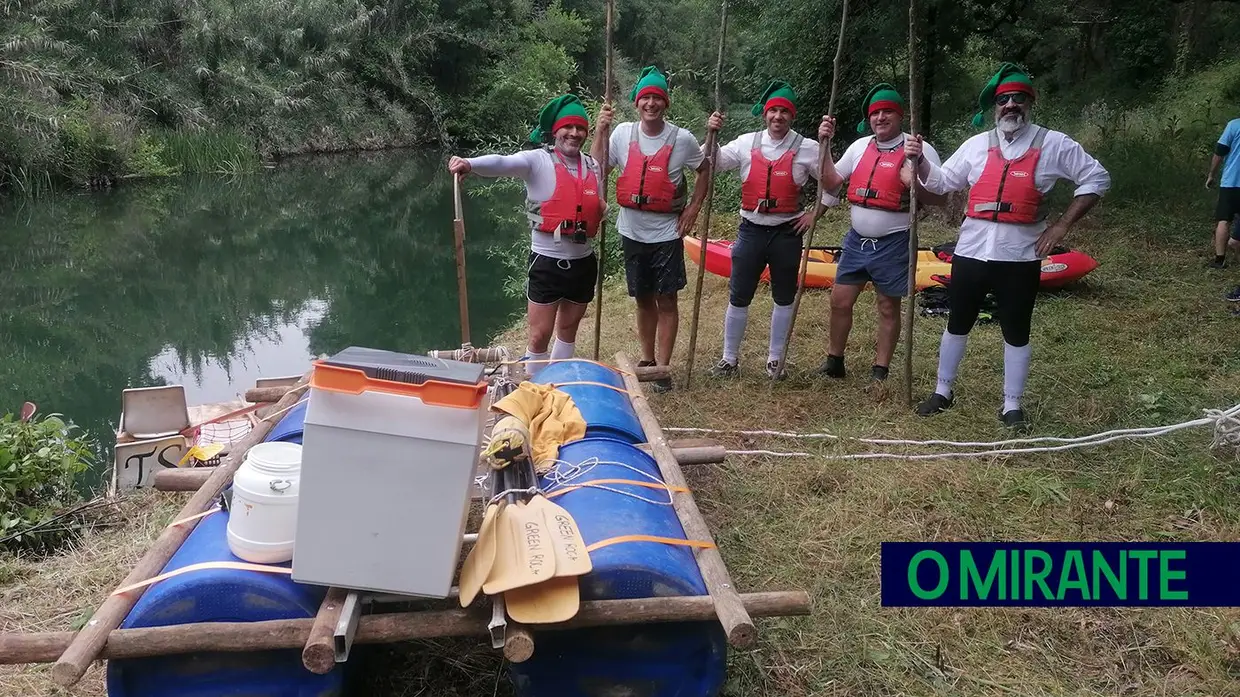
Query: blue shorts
point(882, 261)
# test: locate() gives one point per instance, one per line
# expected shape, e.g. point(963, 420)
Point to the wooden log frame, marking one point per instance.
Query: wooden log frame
point(688, 451)
point(385, 628)
point(84, 647)
point(729, 607)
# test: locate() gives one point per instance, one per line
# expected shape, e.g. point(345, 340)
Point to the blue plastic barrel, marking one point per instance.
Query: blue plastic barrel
point(220, 595)
point(654, 660)
point(290, 426)
point(607, 413)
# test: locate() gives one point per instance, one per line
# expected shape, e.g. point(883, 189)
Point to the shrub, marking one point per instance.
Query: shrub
point(39, 463)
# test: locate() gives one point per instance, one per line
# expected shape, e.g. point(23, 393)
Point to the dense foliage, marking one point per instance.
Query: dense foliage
point(90, 92)
point(39, 461)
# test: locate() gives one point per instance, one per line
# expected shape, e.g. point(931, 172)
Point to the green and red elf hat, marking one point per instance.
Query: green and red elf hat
point(881, 96)
point(1010, 78)
point(651, 81)
point(778, 93)
point(565, 110)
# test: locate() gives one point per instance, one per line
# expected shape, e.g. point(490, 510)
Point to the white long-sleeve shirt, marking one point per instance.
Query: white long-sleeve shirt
point(537, 169)
point(871, 222)
point(1062, 158)
point(735, 155)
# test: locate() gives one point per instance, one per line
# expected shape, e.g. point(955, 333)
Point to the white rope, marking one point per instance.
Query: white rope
point(572, 471)
point(768, 453)
point(1230, 433)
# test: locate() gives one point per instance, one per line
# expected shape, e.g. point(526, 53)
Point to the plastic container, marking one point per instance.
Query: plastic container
point(391, 444)
point(220, 595)
point(265, 489)
point(290, 426)
point(655, 660)
point(608, 413)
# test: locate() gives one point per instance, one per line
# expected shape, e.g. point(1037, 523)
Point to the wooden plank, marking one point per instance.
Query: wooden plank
point(728, 606)
point(319, 653)
point(88, 642)
point(45, 647)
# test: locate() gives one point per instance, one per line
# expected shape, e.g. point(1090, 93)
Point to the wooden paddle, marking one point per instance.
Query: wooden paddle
point(910, 304)
point(481, 557)
point(458, 225)
point(556, 599)
point(524, 556)
point(712, 138)
point(602, 225)
point(823, 148)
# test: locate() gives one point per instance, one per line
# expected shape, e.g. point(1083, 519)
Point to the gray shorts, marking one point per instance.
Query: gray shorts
point(882, 261)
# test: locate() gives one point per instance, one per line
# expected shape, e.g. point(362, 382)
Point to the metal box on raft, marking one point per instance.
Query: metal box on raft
point(391, 444)
point(220, 595)
point(607, 412)
point(686, 659)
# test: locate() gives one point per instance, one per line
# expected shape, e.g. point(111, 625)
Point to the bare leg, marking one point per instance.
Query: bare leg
point(669, 323)
point(888, 328)
point(843, 297)
point(647, 322)
point(568, 320)
point(542, 319)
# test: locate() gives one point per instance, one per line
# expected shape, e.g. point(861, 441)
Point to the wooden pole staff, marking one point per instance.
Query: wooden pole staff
point(602, 225)
point(319, 654)
point(86, 645)
point(712, 138)
point(824, 148)
point(385, 628)
point(458, 225)
point(910, 305)
point(729, 607)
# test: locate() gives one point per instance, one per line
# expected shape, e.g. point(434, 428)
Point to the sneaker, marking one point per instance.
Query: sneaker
point(723, 369)
point(934, 404)
point(833, 367)
point(1234, 295)
point(1217, 264)
point(772, 367)
point(1014, 419)
point(879, 372)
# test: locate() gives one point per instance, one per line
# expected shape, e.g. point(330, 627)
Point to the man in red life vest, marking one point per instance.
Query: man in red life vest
point(773, 164)
point(875, 248)
point(655, 212)
point(564, 205)
point(1004, 236)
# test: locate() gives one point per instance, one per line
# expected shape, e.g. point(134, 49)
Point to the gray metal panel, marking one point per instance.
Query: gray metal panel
point(381, 513)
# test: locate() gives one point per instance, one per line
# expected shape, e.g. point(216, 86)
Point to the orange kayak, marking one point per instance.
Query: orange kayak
point(932, 270)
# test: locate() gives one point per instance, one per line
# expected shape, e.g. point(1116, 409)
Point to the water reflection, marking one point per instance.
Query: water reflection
point(213, 283)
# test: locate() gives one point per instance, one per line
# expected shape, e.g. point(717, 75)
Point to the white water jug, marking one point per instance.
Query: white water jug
point(262, 519)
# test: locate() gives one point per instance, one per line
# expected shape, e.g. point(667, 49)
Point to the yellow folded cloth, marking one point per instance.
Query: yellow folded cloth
point(551, 416)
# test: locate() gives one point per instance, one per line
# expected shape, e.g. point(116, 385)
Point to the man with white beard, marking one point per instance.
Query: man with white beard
point(1008, 171)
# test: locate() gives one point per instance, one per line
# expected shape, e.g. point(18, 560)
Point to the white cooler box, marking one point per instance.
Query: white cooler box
point(390, 447)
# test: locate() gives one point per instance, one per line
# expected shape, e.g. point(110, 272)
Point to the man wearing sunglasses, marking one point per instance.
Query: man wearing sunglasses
point(1008, 171)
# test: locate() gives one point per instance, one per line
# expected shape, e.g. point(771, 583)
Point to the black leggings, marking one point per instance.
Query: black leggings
point(1015, 285)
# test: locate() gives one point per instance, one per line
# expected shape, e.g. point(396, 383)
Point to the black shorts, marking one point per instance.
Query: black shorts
point(551, 280)
point(1015, 285)
point(758, 247)
point(654, 268)
point(1228, 206)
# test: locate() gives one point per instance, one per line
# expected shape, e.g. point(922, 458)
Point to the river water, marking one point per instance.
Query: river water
point(212, 282)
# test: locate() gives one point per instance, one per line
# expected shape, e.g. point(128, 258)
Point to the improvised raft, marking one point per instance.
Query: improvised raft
point(656, 612)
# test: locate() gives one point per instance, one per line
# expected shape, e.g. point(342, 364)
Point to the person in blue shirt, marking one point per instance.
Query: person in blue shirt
point(1227, 154)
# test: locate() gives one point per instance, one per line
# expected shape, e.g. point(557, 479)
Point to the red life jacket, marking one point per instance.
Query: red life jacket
point(575, 203)
point(883, 187)
point(1006, 192)
point(770, 186)
point(646, 182)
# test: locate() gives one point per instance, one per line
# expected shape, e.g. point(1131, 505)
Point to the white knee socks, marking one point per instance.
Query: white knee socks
point(1015, 373)
point(734, 321)
point(539, 361)
point(562, 349)
point(951, 352)
point(781, 319)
